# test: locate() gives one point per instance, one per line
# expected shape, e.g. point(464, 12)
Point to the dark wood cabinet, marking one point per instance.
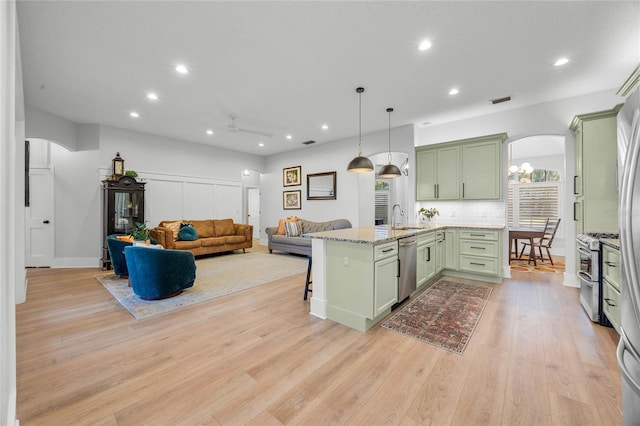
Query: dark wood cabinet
point(122, 207)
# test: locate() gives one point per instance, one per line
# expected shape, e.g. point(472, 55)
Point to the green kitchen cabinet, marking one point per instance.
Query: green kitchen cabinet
point(361, 282)
point(426, 259)
point(451, 249)
point(440, 251)
point(468, 169)
point(437, 175)
point(595, 181)
point(481, 168)
point(611, 285)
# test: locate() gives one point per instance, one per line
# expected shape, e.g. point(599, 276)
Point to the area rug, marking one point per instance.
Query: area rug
point(215, 276)
point(524, 266)
point(444, 315)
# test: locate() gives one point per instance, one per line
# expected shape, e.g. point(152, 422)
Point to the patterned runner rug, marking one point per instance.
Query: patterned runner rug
point(215, 276)
point(524, 266)
point(444, 315)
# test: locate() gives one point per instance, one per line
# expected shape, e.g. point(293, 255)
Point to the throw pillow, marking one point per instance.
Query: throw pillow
point(281, 229)
point(173, 226)
point(187, 233)
point(293, 229)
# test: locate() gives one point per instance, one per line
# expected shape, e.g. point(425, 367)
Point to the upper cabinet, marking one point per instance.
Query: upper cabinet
point(437, 174)
point(595, 181)
point(468, 169)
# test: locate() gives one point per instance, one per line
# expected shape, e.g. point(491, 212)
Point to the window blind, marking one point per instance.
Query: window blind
point(531, 204)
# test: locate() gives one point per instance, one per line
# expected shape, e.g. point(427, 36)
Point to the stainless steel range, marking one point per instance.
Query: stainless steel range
point(588, 246)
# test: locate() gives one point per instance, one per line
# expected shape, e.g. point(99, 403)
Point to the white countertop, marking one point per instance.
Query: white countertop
point(383, 233)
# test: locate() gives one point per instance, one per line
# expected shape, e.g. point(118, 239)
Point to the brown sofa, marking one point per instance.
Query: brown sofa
point(214, 236)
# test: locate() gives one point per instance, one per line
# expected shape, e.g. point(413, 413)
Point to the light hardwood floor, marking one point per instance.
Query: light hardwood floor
point(258, 358)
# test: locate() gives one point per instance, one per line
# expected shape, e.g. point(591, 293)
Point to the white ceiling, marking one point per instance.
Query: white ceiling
point(289, 67)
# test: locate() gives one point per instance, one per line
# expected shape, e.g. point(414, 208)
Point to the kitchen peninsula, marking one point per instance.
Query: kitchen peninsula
point(356, 270)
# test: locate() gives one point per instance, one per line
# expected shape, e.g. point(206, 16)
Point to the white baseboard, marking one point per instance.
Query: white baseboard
point(76, 262)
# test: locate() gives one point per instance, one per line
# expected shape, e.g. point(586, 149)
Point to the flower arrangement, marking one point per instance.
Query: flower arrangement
point(428, 213)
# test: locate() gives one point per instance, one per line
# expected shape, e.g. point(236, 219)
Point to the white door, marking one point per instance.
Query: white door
point(253, 210)
point(39, 218)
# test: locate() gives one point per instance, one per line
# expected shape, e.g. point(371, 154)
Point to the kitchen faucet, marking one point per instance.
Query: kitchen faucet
point(393, 214)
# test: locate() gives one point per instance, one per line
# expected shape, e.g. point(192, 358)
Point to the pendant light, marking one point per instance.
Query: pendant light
point(390, 170)
point(360, 164)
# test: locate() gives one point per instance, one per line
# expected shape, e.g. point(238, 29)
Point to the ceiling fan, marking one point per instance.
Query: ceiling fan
point(233, 127)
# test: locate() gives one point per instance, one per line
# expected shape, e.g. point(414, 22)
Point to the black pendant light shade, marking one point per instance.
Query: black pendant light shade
point(360, 164)
point(389, 170)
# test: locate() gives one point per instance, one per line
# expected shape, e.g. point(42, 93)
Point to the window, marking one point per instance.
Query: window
point(531, 204)
point(382, 202)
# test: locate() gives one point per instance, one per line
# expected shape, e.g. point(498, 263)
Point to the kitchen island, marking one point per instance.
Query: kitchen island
point(355, 270)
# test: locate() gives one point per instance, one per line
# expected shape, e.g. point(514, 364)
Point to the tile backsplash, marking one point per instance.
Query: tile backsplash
point(465, 212)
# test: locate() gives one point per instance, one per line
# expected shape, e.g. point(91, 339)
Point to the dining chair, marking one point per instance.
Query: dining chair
point(545, 242)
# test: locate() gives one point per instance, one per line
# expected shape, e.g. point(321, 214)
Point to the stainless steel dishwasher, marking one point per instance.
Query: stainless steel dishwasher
point(407, 253)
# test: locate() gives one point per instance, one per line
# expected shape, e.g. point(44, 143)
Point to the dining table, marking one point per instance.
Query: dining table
point(523, 234)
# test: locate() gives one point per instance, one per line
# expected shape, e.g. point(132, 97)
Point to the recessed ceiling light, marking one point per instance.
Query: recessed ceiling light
point(260, 144)
point(454, 91)
point(424, 45)
point(209, 132)
point(152, 96)
point(134, 114)
point(182, 69)
point(289, 137)
point(325, 127)
point(561, 62)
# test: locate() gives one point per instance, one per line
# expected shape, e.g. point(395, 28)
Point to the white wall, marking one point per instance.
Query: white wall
point(184, 180)
point(354, 191)
point(12, 270)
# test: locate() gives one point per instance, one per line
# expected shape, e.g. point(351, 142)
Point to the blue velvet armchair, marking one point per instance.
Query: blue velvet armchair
point(116, 253)
point(159, 273)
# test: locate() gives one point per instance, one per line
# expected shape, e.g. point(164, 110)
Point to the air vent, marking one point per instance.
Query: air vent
point(501, 100)
point(308, 143)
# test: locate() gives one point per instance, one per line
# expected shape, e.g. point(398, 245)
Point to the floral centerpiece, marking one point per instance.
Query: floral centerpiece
point(428, 213)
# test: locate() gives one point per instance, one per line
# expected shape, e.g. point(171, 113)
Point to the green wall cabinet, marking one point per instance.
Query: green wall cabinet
point(437, 174)
point(468, 169)
point(595, 181)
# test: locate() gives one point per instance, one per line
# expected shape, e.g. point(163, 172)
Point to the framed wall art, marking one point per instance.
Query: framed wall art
point(292, 176)
point(291, 200)
point(321, 186)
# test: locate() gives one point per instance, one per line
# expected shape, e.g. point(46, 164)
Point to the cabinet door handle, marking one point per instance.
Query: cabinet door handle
point(387, 250)
point(609, 302)
point(435, 190)
point(575, 185)
point(462, 189)
point(610, 264)
point(479, 248)
point(575, 215)
point(428, 254)
point(478, 235)
point(398, 275)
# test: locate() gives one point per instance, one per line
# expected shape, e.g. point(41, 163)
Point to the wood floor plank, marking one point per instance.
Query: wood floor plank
point(257, 357)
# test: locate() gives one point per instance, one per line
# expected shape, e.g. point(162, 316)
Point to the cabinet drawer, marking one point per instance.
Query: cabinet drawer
point(611, 266)
point(427, 237)
point(480, 265)
point(478, 235)
point(479, 248)
point(611, 304)
point(383, 251)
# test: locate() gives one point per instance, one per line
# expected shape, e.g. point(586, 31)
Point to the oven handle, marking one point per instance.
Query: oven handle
point(585, 277)
point(584, 251)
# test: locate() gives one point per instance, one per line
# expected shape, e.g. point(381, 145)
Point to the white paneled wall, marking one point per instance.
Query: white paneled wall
point(170, 197)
